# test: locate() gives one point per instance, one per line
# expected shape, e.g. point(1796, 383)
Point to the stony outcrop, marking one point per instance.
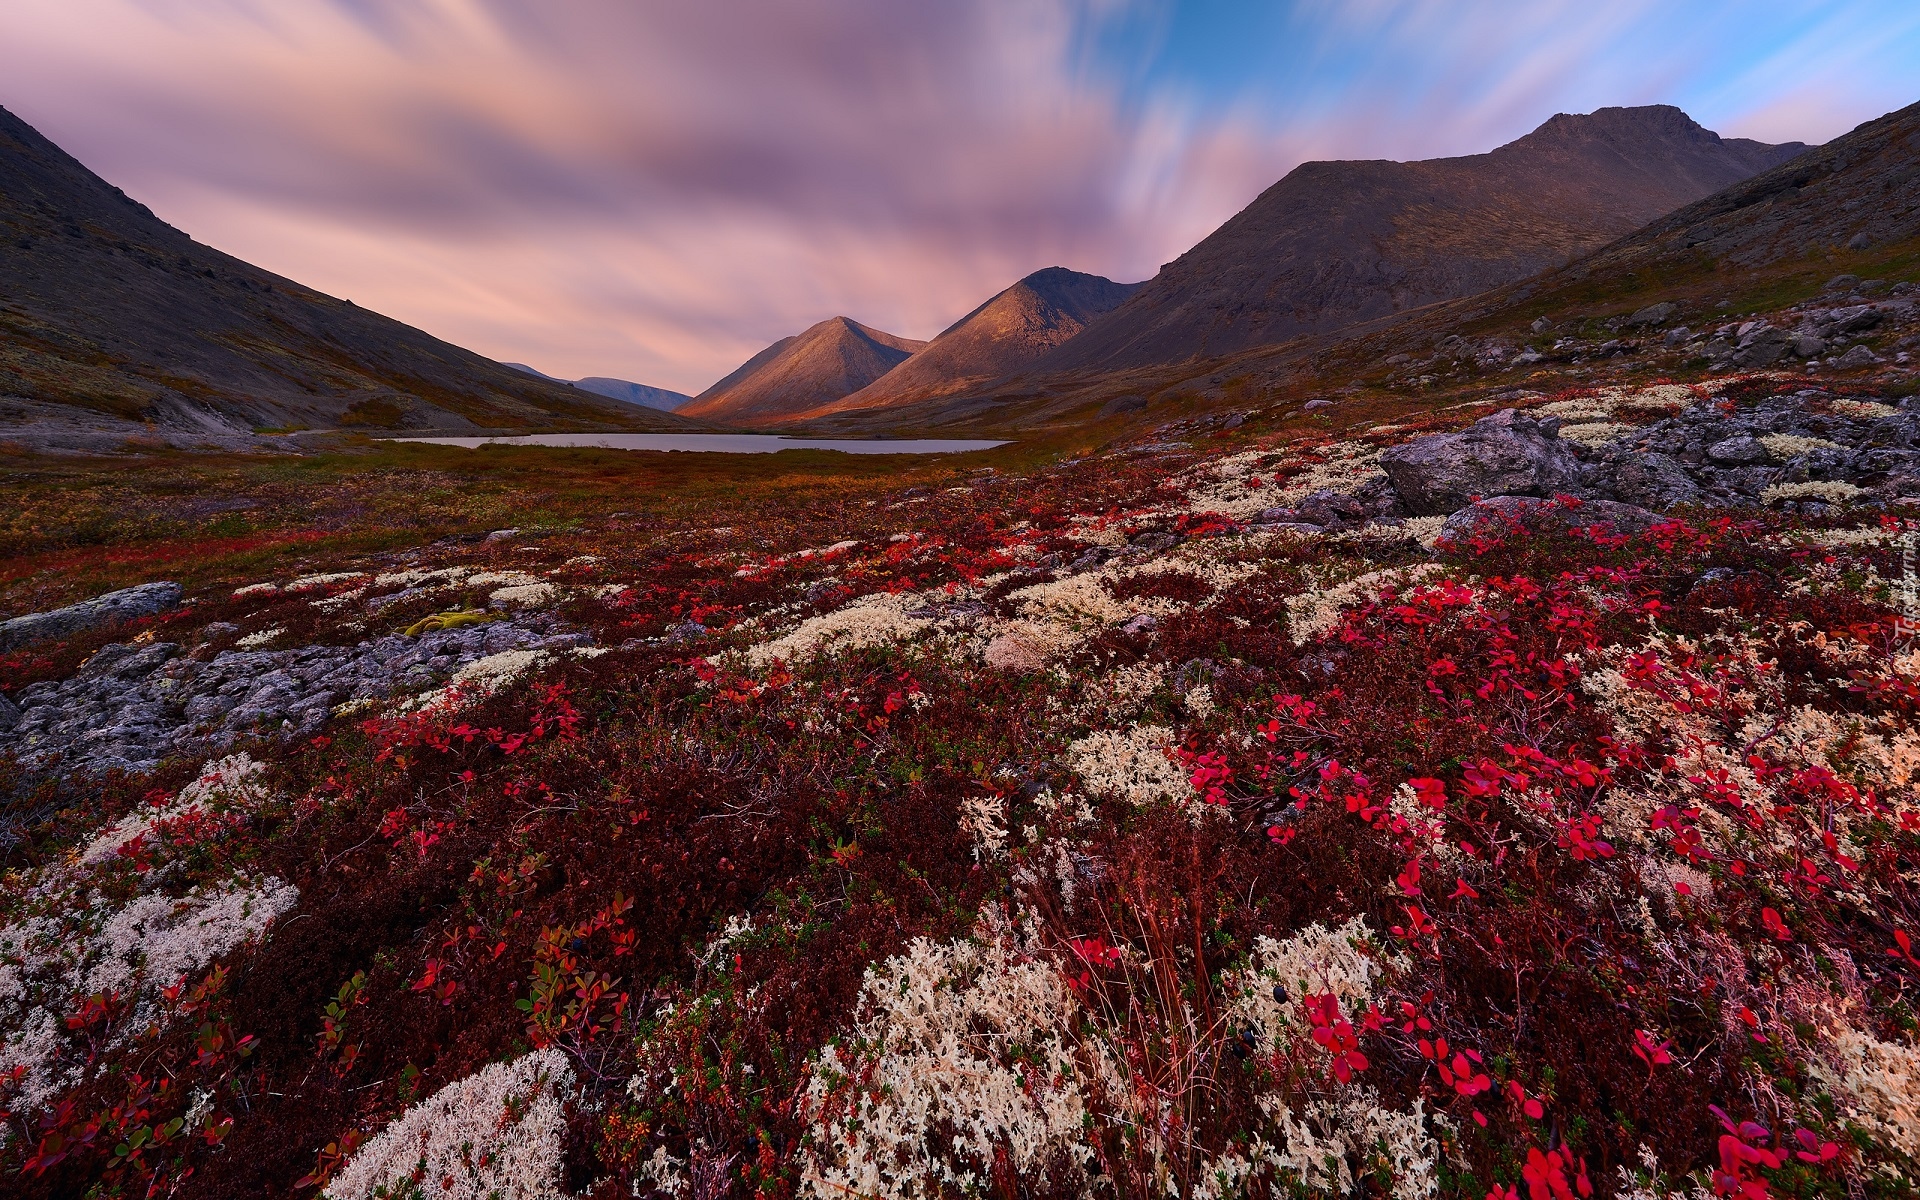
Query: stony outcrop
point(1507, 454)
point(114, 608)
point(130, 707)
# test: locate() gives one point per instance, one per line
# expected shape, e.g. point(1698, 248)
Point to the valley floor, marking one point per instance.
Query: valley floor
point(1236, 810)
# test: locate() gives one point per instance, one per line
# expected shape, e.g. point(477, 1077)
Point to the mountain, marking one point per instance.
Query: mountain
point(1002, 336)
point(822, 364)
point(1336, 243)
point(112, 320)
point(642, 394)
point(616, 389)
point(1853, 195)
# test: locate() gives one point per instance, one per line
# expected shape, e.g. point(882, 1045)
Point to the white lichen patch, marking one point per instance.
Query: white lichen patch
point(1593, 433)
point(866, 621)
point(495, 1135)
point(1881, 1083)
point(1346, 962)
point(481, 677)
point(225, 784)
point(90, 946)
point(309, 582)
point(1870, 409)
point(523, 596)
point(1240, 485)
point(1830, 491)
point(1783, 446)
point(1134, 764)
point(971, 1040)
point(1314, 612)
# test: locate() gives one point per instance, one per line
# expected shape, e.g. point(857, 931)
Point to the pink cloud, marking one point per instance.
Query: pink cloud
point(657, 188)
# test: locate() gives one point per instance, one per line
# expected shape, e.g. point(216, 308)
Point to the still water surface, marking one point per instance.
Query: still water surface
point(720, 443)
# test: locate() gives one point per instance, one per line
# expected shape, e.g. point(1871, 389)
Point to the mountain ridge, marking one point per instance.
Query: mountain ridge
point(1005, 334)
point(1340, 242)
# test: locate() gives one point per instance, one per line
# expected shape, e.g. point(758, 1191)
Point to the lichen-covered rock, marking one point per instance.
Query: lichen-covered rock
point(127, 604)
point(1502, 513)
point(1653, 480)
point(1507, 454)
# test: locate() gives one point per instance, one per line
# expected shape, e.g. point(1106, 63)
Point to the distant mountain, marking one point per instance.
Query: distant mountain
point(1336, 243)
point(109, 317)
point(633, 393)
point(824, 363)
point(615, 389)
point(1002, 336)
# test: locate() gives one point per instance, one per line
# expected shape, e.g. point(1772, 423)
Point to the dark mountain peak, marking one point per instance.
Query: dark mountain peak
point(1647, 120)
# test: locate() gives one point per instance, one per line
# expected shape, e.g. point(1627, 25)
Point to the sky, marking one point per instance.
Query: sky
point(656, 189)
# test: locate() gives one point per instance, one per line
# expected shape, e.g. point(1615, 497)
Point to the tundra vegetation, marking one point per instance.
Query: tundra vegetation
point(1171, 817)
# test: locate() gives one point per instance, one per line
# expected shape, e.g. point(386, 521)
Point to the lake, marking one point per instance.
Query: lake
point(719, 443)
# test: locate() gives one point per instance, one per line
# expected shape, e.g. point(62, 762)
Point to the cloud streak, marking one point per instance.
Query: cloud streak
point(657, 189)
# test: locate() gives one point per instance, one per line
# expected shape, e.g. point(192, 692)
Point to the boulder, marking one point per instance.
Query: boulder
point(1507, 454)
point(1857, 319)
point(128, 604)
point(1654, 314)
point(1654, 480)
point(1856, 358)
point(1735, 451)
point(1504, 513)
point(1763, 347)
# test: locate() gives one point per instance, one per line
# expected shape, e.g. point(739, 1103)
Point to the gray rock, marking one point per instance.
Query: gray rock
point(1541, 325)
point(1857, 319)
point(1654, 314)
point(1122, 404)
point(1842, 283)
point(1737, 450)
point(1654, 480)
point(9, 714)
point(1509, 453)
point(1504, 513)
point(1856, 358)
point(100, 612)
point(1676, 336)
point(1809, 345)
point(1331, 509)
point(1763, 347)
point(1859, 241)
point(1318, 403)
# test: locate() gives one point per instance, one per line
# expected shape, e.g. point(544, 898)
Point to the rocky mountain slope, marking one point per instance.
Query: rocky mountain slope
point(1335, 243)
point(626, 390)
point(1855, 195)
point(817, 366)
point(1002, 336)
point(113, 323)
